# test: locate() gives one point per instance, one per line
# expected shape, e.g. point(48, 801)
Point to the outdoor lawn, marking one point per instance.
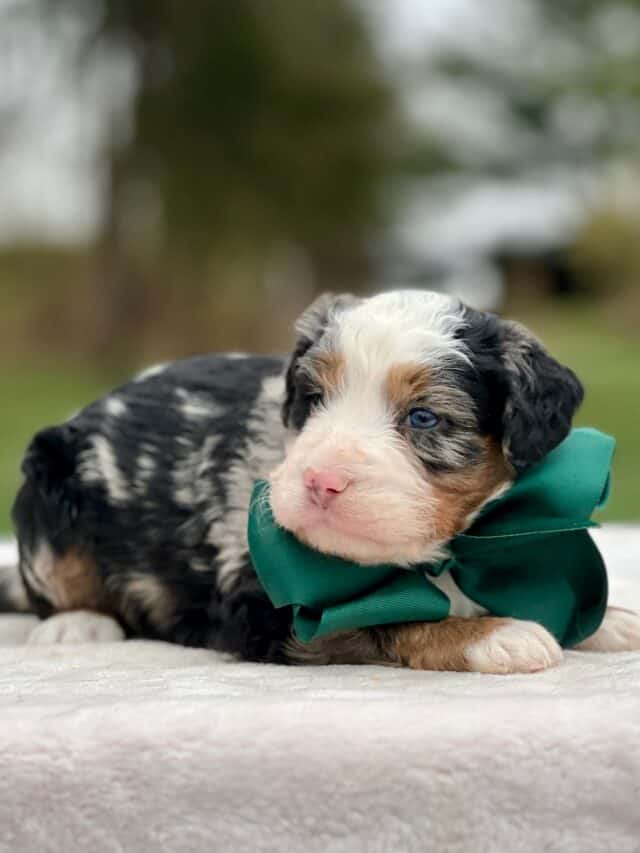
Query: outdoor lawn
point(608, 364)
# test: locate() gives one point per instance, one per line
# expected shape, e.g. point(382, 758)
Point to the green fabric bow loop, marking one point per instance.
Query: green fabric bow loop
point(528, 555)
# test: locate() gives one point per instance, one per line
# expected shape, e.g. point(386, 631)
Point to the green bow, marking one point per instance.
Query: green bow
point(528, 555)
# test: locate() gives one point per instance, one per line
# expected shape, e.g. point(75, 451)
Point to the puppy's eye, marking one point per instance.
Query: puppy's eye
point(422, 419)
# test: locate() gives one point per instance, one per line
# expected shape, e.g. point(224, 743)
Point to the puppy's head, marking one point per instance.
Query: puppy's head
point(406, 412)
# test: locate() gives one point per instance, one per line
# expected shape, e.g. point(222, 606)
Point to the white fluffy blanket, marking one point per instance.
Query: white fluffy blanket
point(143, 746)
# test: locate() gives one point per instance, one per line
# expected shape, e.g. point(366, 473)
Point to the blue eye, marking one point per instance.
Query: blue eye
point(422, 419)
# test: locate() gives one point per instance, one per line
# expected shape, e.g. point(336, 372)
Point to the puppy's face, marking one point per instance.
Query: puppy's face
point(407, 412)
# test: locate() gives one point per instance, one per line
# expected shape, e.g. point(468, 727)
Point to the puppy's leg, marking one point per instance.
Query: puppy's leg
point(63, 579)
point(68, 582)
point(487, 644)
point(619, 632)
point(76, 626)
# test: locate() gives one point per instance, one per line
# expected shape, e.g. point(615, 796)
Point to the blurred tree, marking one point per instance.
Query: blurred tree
point(252, 123)
point(561, 84)
point(606, 254)
point(252, 130)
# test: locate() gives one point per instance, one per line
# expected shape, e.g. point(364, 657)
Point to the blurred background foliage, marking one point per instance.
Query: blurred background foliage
point(183, 177)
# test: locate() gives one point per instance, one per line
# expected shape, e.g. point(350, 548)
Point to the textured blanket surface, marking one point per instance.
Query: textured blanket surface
point(144, 746)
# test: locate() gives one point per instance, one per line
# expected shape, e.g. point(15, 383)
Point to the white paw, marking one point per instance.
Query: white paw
point(76, 626)
point(619, 632)
point(516, 646)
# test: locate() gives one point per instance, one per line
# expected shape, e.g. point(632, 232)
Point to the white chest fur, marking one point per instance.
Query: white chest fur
point(461, 605)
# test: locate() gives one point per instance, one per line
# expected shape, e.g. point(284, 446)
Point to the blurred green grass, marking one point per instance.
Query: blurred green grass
point(38, 395)
point(608, 364)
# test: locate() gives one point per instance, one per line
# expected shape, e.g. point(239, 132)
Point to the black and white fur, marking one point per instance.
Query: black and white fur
point(149, 487)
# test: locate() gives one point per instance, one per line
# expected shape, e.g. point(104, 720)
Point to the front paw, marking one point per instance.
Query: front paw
point(76, 626)
point(513, 646)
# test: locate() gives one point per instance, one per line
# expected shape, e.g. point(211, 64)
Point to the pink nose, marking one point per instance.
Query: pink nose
point(324, 485)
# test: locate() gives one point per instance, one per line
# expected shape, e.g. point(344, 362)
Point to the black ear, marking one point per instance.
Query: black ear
point(311, 326)
point(542, 397)
point(50, 460)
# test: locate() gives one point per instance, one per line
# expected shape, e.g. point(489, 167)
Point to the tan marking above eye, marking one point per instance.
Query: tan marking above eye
point(413, 385)
point(328, 370)
point(406, 383)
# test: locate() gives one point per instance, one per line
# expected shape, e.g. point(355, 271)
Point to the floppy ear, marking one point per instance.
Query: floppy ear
point(310, 326)
point(542, 397)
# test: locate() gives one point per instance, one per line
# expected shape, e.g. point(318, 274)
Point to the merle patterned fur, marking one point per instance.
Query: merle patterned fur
point(151, 532)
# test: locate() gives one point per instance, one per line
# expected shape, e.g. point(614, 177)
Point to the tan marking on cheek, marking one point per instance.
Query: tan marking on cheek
point(459, 495)
point(329, 371)
point(74, 583)
point(405, 383)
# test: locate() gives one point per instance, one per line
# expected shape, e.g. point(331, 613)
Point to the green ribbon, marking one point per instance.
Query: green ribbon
point(528, 555)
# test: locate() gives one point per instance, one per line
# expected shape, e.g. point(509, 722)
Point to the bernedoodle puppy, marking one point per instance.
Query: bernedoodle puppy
point(396, 418)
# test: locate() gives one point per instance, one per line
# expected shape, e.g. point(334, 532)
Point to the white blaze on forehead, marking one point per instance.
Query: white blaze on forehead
point(401, 326)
